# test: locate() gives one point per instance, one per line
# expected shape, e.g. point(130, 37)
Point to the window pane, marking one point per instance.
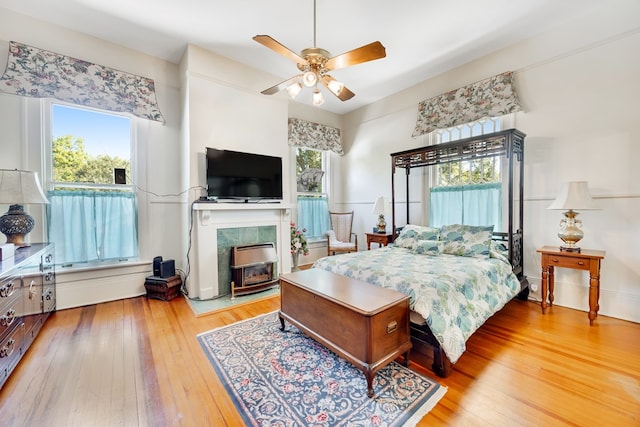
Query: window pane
point(469, 191)
point(92, 216)
point(88, 145)
point(309, 170)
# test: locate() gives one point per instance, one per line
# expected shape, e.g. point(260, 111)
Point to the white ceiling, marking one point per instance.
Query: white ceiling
point(423, 38)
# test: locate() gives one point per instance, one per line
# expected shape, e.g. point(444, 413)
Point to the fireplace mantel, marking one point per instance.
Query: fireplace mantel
point(219, 206)
point(210, 217)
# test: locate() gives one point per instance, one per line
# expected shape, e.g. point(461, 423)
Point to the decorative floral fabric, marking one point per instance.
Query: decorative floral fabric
point(411, 233)
point(39, 73)
point(428, 247)
point(307, 134)
point(467, 240)
point(455, 295)
point(492, 97)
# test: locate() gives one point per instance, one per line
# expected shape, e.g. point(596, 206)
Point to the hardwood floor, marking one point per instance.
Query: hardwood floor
point(137, 362)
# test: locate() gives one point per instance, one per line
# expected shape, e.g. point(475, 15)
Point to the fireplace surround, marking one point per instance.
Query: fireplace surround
point(212, 223)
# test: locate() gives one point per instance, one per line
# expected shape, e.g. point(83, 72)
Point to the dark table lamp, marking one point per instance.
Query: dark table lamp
point(18, 188)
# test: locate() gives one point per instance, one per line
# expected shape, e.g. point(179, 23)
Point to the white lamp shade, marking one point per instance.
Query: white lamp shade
point(20, 187)
point(317, 99)
point(378, 207)
point(310, 79)
point(294, 89)
point(574, 195)
point(336, 87)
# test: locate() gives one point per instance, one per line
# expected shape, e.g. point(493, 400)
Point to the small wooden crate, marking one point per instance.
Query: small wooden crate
point(164, 289)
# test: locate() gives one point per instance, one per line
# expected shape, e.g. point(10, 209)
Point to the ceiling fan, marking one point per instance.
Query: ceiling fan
point(315, 64)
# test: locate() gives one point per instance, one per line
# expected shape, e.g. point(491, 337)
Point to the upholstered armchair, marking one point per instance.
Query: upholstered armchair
point(340, 235)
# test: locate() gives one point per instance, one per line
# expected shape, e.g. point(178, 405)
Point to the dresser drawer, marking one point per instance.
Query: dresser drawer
point(10, 313)
point(11, 349)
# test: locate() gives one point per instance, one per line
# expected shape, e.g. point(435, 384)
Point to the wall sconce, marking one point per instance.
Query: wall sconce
point(18, 188)
point(574, 195)
point(378, 209)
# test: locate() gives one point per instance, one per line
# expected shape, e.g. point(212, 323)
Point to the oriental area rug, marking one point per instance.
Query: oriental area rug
point(285, 378)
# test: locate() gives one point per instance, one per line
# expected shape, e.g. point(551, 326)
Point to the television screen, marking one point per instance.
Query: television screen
point(244, 176)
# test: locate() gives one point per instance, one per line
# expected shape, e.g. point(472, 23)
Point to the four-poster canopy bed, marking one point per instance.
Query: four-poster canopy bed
point(457, 276)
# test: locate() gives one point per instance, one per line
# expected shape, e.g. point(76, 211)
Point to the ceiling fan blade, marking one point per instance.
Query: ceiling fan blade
point(282, 85)
point(279, 48)
point(337, 88)
point(359, 55)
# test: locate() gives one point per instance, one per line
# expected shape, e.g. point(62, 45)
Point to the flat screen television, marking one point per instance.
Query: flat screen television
point(237, 176)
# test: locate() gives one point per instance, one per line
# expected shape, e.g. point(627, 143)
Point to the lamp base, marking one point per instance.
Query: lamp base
point(382, 224)
point(15, 224)
point(570, 232)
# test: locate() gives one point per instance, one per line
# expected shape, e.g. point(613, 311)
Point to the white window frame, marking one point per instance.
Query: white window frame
point(138, 129)
point(326, 182)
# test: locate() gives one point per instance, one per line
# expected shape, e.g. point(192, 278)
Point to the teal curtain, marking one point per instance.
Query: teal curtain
point(313, 214)
point(92, 225)
point(479, 204)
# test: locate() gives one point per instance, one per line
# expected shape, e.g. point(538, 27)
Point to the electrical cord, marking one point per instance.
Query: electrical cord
point(184, 275)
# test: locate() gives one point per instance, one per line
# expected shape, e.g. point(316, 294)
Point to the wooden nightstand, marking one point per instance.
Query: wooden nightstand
point(586, 259)
point(382, 239)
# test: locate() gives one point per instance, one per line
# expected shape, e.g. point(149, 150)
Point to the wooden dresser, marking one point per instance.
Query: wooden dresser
point(27, 297)
point(365, 324)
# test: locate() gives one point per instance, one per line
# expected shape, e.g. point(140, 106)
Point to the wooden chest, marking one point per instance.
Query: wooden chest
point(164, 289)
point(365, 324)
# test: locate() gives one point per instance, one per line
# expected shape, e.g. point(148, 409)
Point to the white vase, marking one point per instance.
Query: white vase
point(294, 257)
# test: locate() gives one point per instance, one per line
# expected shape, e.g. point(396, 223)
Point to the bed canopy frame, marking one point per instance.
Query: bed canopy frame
point(507, 143)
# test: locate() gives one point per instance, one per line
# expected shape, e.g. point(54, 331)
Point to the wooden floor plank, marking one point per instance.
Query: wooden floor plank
point(138, 362)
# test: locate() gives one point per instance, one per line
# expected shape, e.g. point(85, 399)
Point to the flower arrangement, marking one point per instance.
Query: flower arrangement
point(298, 241)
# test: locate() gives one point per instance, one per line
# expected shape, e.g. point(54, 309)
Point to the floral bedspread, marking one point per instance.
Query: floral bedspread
point(455, 294)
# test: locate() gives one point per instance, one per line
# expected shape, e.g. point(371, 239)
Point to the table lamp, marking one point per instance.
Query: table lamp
point(18, 188)
point(573, 195)
point(378, 208)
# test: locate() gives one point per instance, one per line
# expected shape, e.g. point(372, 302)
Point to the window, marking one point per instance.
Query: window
point(311, 186)
point(93, 211)
point(467, 191)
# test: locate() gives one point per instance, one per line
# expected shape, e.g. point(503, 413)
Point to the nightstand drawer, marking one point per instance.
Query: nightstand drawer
point(569, 262)
point(378, 239)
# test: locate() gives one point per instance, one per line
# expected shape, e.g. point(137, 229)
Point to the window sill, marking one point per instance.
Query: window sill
point(97, 265)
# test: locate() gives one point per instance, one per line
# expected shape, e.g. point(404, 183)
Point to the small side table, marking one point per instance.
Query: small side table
point(382, 239)
point(586, 259)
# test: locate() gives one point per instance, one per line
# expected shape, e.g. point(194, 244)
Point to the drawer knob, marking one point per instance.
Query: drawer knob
point(8, 349)
point(580, 262)
point(392, 327)
point(554, 259)
point(8, 318)
point(7, 290)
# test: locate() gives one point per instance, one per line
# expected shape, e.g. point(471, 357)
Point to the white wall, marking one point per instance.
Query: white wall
point(160, 217)
point(580, 88)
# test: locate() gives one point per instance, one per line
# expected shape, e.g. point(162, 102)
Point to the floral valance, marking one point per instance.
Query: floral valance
point(314, 135)
point(493, 97)
point(39, 73)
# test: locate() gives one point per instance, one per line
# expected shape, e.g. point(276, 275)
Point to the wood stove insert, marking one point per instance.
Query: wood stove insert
point(253, 268)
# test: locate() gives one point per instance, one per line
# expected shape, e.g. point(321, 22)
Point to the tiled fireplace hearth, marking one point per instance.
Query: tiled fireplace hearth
point(220, 226)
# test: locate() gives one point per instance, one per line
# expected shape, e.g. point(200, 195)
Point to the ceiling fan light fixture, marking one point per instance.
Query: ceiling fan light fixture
point(318, 99)
point(310, 79)
point(294, 89)
point(335, 87)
